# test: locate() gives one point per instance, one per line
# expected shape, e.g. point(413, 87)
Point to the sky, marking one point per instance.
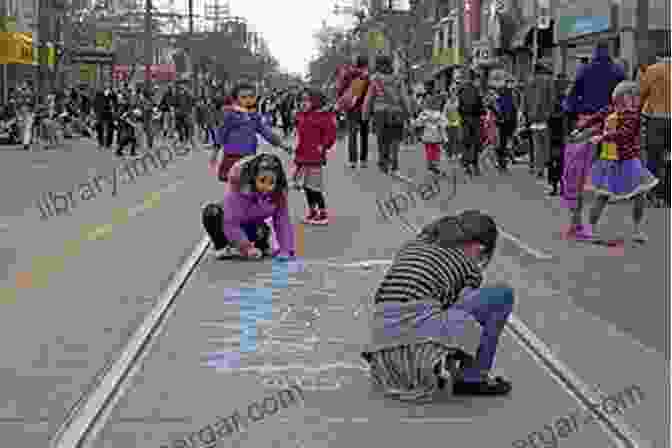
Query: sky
point(288, 27)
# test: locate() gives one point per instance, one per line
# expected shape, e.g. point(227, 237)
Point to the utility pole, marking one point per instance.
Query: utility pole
point(192, 56)
point(4, 66)
point(642, 52)
point(44, 31)
point(149, 50)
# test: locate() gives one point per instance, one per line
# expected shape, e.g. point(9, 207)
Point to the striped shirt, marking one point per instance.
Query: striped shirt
point(425, 271)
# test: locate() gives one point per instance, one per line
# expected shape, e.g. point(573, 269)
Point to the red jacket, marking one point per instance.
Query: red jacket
point(626, 136)
point(316, 134)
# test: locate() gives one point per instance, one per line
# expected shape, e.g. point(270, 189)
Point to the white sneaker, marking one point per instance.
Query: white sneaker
point(395, 172)
point(226, 252)
point(640, 237)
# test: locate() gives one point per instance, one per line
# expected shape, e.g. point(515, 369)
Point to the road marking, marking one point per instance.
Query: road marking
point(525, 247)
point(265, 369)
point(45, 265)
point(436, 420)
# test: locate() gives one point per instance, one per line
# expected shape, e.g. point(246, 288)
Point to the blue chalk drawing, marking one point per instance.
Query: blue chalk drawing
point(255, 304)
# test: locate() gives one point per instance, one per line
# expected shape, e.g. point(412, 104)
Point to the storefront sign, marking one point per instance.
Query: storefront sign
point(16, 48)
point(574, 26)
point(7, 24)
point(158, 72)
point(447, 56)
point(376, 40)
point(87, 72)
point(104, 40)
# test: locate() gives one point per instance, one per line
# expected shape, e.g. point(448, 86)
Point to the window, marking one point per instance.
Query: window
point(441, 38)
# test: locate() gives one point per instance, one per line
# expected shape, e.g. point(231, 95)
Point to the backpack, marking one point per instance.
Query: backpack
point(354, 94)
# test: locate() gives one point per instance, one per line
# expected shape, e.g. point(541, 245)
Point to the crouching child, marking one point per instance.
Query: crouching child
point(431, 290)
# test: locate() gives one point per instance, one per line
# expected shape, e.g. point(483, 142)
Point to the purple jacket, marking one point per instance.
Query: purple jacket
point(238, 134)
point(244, 208)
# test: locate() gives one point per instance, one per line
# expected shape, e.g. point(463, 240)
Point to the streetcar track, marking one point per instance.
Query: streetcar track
point(90, 413)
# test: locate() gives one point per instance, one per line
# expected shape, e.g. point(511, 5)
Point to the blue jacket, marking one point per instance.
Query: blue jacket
point(594, 83)
point(506, 109)
point(238, 133)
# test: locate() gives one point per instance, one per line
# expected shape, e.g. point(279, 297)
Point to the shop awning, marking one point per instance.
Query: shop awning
point(523, 36)
point(16, 48)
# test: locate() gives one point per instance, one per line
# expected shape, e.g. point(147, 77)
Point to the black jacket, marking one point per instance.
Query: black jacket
point(105, 104)
point(470, 101)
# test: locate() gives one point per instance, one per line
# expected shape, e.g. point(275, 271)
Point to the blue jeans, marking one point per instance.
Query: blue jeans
point(491, 308)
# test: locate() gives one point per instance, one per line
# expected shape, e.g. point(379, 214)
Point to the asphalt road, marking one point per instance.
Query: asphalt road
point(61, 329)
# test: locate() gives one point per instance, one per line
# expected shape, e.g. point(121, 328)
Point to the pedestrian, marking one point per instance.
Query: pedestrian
point(506, 120)
point(558, 128)
point(184, 110)
point(617, 172)
point(432, 288)
point(589, 96)
point(471, 108)
point(257, 191)
point(433, 124)
point(655, 96)
point(388, 101)
point(25, 123)
point(316, 134)
point(539, 100)
point(352, 84)
point(286, 112)
point(237, 136)
point(454, 128)
point(105, 106)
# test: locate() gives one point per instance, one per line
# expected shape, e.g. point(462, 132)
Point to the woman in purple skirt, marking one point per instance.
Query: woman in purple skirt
point(617, 172)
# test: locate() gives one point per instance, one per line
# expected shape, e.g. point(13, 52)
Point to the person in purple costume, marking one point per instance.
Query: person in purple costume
point(257, 191)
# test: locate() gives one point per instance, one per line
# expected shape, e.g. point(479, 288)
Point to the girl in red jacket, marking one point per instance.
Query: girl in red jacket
point(316, 134)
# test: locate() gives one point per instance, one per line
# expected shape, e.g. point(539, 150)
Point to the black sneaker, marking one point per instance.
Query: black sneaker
point(490, 386)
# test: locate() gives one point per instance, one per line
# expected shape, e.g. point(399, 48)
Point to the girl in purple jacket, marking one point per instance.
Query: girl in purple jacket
point(237, 136)
point(257, 191)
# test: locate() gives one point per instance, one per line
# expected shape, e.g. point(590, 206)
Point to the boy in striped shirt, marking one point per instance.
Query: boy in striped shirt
point(431, 289)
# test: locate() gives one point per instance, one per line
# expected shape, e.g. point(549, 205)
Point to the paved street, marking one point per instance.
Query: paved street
point(602, 313)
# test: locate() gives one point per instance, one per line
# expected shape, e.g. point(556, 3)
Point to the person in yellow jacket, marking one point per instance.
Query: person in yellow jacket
point(454, 130)
point(654, 85)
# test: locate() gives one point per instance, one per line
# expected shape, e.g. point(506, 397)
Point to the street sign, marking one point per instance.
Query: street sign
point(376, 40)
point(104, 40)
point(92, 57)
point(8, 24)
